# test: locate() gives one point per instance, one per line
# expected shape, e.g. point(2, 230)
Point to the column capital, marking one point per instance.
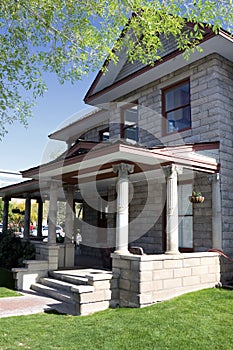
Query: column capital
point(172, 170)
point(123, 168)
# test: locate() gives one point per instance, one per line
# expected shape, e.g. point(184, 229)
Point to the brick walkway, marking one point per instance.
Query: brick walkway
point(30, 303)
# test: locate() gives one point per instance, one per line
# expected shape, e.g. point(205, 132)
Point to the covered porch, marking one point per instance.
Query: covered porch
point(106, 177)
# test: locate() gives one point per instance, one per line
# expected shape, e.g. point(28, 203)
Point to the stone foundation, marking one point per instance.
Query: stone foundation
point(144, 280)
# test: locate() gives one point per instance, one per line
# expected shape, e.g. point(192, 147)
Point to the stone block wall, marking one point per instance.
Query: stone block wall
point(144, 280)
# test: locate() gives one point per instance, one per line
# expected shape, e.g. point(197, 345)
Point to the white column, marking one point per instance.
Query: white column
point(216, 213)
point(69, 220)
point(122, 221)
point(52, 212)
point(172, 210)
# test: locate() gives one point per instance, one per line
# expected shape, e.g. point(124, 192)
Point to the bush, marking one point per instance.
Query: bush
point(13, 251)
point(6, 279)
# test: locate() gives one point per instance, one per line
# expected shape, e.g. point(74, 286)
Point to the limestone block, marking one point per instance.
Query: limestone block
point(89, 308)
point(163, 274)
point(191, 281)
point(145, 276)
point(146, 299)
point(172, 283)
point(183, 272)
point(192, 262)
point(173, 264)
point(199, 270)
point(95, 296)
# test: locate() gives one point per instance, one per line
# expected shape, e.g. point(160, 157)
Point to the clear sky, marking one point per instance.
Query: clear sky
point(24, 148)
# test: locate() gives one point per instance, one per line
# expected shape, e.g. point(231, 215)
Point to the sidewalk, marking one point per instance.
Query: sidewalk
point(32, 303)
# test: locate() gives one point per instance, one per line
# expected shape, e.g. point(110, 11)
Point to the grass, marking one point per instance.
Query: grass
point(5, 292)
point(198, 321)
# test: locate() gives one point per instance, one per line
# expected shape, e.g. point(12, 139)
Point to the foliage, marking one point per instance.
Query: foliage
point(1, 209)
point(13, 250)
point(200, 321)
point(6, 279)
point(71, 38)
point(196, 194)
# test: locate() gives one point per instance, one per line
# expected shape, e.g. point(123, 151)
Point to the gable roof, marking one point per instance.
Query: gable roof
point(124, 77)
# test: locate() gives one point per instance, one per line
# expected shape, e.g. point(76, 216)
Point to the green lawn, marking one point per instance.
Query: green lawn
point(5, 292)
point(200, 320)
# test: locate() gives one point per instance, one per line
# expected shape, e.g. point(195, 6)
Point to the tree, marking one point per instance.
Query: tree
point(71, 38)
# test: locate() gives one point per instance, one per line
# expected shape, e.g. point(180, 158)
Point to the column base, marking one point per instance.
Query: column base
point(172, 252)
point(122, 252)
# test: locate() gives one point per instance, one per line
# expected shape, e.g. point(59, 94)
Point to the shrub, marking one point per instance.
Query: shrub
point(13, 250)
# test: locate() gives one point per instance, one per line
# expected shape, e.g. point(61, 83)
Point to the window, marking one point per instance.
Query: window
point(104, 135)
point(176, 107)
point(129, 130)
point(185, 213)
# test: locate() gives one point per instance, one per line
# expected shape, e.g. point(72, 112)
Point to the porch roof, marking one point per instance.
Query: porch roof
point(99, 159)
point(96, 165)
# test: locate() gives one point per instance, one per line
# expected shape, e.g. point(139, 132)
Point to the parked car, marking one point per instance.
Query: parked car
point(1, 227)
point(59, 231)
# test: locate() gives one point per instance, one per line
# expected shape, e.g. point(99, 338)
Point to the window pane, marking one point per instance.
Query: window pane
point(186, 232)
point(179, 119)
point(184, 192)
point(130, 127)
point(179, 96)
point(131, 133)
point(130, 116)
point(185, 212)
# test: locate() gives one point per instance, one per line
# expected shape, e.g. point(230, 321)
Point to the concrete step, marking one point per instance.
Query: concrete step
point(52, 292)
point(87, 290)
point(65, 286)
point(77, 280)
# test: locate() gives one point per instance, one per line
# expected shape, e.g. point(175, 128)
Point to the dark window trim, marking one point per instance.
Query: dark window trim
point(164, 112)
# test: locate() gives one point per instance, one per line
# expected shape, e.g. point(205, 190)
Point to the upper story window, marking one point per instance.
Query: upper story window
point(104, 135)
point(129, 130)
point(176, 107)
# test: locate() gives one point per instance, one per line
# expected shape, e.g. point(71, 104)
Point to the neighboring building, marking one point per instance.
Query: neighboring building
point(161, 133)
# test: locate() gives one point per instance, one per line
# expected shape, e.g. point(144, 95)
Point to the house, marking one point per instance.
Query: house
point(158, 134)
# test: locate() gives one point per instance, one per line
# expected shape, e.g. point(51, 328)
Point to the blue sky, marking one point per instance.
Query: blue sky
point(23, 148)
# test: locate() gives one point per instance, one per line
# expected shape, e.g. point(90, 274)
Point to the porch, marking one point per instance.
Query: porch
point(118, 171)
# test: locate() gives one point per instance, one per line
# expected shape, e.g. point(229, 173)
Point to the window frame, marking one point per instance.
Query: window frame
point(123, 127)
point(165, 112)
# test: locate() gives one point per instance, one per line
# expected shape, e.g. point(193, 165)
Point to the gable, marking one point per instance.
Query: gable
point(125, 77)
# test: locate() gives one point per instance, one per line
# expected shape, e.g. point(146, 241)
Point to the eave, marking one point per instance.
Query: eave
point(220, 44)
